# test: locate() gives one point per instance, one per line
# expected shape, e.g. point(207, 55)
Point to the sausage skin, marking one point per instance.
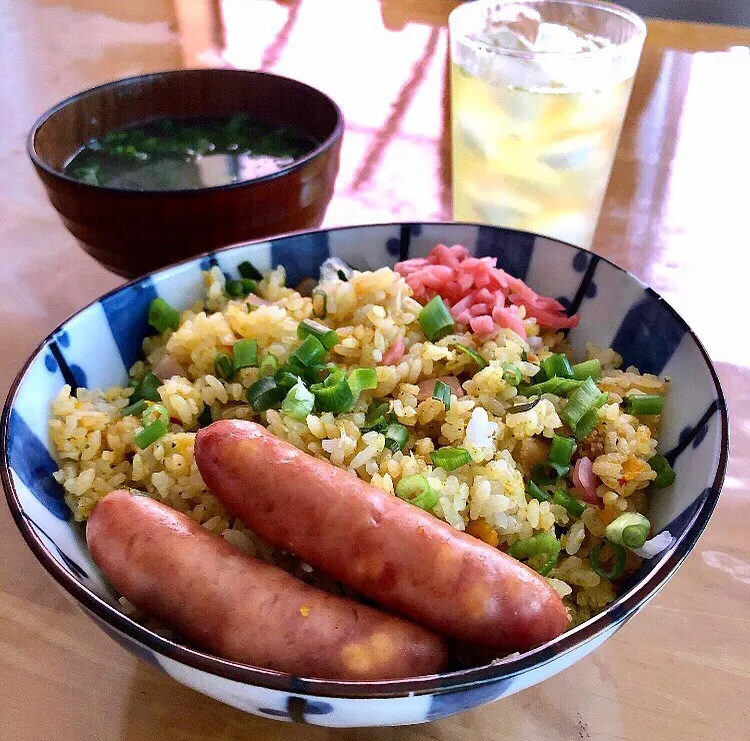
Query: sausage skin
point(389, 550)
point(246, 610)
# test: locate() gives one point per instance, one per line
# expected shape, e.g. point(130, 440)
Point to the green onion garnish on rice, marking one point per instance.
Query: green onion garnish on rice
point(417, 491)
point(245, 354)
point(247, 270)
point(327, 337)
point(617, 568)
point(567, 500)
point(535, 492)
point(473, 354)
point(376, 417)
point(630, 529)
point(269, 365)
point(511, 374)
point(264, 394)
point(241, 287)
point(449, 459)
point(643, 404)
point(585, 398)
point(556, 386)
point(543, 474)
point(587, 369)
point(310, 352)
point(586, 425)
point(665, 474)
point(223, 366)
point(556, 366)
point(542, 544)
point(153, 413)
point(319, 303)
point(286, 379)
point(161, 316)
point(396, 436)
point(435, 319)
point(333, 394)
point(298, 402)
point(442, 392)
point(148, 387)
point(363, 379)
point(560, 453)
point(150, 434)
point(135, 408)
point(524, 406)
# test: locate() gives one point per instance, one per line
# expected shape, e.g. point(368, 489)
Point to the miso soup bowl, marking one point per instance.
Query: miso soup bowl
point(97, 345)
point(132, 232)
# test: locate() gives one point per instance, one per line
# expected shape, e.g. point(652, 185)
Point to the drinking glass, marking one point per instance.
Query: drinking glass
point(539, 90)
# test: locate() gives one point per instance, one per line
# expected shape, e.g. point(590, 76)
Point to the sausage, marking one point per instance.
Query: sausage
point(391, 551)
point(244, 609)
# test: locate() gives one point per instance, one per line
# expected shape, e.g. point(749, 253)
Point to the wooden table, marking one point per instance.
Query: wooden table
point(676, 215)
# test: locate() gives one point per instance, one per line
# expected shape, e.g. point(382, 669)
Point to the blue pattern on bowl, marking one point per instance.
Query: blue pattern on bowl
point(98, 345)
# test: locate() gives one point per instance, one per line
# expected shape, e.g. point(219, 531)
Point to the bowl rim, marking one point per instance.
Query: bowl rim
point(615, 614)
point(58, 175)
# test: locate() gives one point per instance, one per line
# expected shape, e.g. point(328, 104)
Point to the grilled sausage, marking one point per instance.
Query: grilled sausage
point(395, 553)
point(244, 609)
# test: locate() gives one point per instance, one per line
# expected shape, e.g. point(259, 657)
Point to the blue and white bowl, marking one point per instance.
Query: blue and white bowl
point(96, 346)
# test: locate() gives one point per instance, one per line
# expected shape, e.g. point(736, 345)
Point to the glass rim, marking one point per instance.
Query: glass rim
point(638, 23)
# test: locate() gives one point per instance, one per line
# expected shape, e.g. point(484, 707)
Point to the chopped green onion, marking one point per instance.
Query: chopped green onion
point(556, 366)
point(442, 393)
point(665, 474)
point(473, 354)
point(333, 394)
point(245, 354)
point(585, 398)
point(247, 270)
point(511, 374)
point(327, 337)
point(286, 380)
point(310, 352)
point(565, 499)
point(153, 413)
point(320, 308)
point(560, 453)
point(556, 386)
point(269, 365)
point(251, 308)
point(222, 365)
point(298, 402)
point(205, 417)
point(264, 394)
point(587, 369)
point(534, 491)
point(241, 287)
point(148, 387)
point(435, 319)
point(642, 404)
point(543, 474)
point(630, 529)
point(363, 379)
point(417, 491)
point(135, 408)
point(317, 372)
point(586, 424)
point(537, 545)
point(376, 417)
point(150, 434)
point(524, 407)
point(161, 316)
point(617, 568)
point(449, 459)
point(396, 436)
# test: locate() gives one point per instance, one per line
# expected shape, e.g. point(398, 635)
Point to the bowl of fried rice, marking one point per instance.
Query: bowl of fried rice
point(534, 395)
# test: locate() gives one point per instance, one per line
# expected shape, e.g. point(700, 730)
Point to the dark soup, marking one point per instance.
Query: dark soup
point(175, 154)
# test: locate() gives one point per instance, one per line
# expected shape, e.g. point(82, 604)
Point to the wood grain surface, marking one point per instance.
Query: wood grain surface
point(676, 215)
